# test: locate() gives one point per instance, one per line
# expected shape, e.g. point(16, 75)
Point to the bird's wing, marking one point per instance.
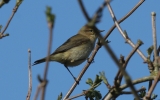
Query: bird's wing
point(72, 42)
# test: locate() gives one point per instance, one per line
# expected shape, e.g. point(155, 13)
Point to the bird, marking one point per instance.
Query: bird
point(75, 50)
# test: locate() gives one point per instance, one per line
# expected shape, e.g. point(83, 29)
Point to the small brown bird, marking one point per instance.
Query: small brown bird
point(75, 50)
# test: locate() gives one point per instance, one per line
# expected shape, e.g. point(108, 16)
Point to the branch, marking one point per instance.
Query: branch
point(154, 33)
point(128, 79)
point(137, 81)
point(122, 19)
point(84, 10)
point(13, 12)
point(139, 43)
point(50, 20)
point(30, 75)
point(76, 96)
point(109, 95)
point(128, 92)
point(37, 92)
point(122, 33)
point(152, 87)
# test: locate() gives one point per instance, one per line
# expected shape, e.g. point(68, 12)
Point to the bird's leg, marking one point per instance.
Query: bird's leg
point(72, 74)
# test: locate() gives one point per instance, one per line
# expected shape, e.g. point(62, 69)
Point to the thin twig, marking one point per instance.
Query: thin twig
point(30, 75)
point(128, 79)
point(137, 81)
point(84, 11)
point(124, 86)
point(13, 12)
point(50, 25)
point(153, 86)
point(139, 43)
point(76, 96)
point(8, 22)
point(122, 19)
point(153, 14)
point(121, 61)
point(122, 33)
point(129, 92)
point(37, 92)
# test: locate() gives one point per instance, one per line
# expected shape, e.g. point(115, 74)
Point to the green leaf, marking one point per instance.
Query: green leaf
point(60, 96)
point(103, 77)
point(142, 94)
point(49, 15)
point(97, 81)
point(93, 94)
point(149, 51)
point(97, 95)
point(89, 81)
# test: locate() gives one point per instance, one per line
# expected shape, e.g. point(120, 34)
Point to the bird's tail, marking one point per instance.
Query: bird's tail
point(39, 61)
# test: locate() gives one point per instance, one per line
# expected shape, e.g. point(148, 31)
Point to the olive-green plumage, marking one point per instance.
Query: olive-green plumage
point(75, 50)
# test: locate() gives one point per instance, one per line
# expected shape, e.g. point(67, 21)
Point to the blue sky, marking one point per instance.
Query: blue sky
point(28, 29)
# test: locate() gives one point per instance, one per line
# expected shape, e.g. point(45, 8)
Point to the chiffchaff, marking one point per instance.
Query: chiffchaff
point(75, 50)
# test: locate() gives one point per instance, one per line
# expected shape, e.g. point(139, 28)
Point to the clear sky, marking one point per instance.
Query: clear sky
point(28, 29)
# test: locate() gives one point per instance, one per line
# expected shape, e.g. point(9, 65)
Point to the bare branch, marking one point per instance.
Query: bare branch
point(137, 81)
point(122, 33)
point(37, 92)
point(13, 12)
point(122, 87)
point(30, 75)
point(139, 43)
point(76, 96)
point(128, 92)
point(128, 79)
point(153, 86)
point(84, 10)
point(122, 19)
point(153, 14)
point(50, 19)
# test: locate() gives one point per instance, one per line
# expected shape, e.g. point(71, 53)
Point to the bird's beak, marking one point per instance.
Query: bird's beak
point(101, 30)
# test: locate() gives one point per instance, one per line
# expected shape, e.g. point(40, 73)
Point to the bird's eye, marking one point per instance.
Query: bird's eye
point(90, 30)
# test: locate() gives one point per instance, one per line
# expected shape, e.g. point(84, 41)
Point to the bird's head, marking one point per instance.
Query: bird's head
point(89, 32)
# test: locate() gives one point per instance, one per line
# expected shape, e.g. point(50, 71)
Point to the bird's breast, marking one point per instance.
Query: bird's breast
point(77, 55)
